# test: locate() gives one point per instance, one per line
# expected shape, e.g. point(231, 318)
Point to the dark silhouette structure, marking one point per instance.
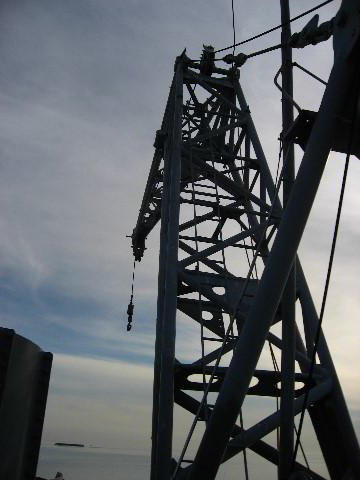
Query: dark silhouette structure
point(228, 262)
point(24, 381)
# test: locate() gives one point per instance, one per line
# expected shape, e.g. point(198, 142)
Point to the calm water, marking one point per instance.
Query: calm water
point(110, 464)
point(92, 464)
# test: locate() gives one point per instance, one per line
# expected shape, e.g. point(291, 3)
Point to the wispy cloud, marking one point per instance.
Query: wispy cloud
point(83, 87)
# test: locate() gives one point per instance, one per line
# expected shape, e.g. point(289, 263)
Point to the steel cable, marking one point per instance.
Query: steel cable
point(233, 24)
point(198, 267)
point(203, 403)
point(276, 368)
point(232, 318)
point(130, 309)
point(328, 275)
point(275, 28)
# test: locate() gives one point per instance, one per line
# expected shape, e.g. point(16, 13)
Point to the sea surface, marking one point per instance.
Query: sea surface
point(91, 463)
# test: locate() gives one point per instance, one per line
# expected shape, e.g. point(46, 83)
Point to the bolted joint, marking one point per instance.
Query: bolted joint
point(237, 60)
point(312, 33)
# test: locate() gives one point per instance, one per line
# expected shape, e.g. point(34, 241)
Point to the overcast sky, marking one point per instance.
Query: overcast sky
point(83, 85)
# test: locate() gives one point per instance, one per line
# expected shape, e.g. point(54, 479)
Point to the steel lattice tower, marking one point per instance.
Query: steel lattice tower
point(227, 248)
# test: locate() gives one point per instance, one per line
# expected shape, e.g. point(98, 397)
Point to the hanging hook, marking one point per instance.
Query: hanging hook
point(130, 312)
point(130, 309)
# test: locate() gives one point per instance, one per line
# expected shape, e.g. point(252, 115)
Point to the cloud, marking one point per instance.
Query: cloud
point(99, 402)
point(83, 88)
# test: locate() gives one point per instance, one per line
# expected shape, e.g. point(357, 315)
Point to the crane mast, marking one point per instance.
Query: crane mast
point(228, 263)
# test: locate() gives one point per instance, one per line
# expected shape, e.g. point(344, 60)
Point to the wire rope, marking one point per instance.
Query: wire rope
point(198, 267)
point(242, 162)
point(328, 275)
point(264, 50)
point(232, 318)
point(279, 160)
point(130, 309)
point(246, 467)
point(276, 368)
point(233, 24)
point(193, 194)
point(235, 149)
point(275, 28)
point(273, 357)
point(203, 402)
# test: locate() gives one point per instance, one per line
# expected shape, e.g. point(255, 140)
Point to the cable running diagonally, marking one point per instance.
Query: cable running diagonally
point(276, 368)
point(198, 267)
point(275, 28)
point(328, 275)
point(232, 319)
point(231, 325)
point(203, 402)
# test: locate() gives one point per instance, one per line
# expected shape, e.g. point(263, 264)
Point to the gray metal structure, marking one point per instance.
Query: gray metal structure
point(228, 261)
point(24, 382)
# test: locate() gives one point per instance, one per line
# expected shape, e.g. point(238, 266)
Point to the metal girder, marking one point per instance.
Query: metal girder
point(226, 250)
point(288, 333)
point(260, 447)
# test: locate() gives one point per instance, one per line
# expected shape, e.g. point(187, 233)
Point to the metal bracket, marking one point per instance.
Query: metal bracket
point(312, 33)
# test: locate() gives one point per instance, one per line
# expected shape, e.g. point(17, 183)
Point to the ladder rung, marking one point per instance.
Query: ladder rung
point(213, 339)
point(199, 238)
point(208, 194)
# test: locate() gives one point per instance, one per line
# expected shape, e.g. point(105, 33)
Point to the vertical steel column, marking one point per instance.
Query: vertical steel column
point(277, 269)
point(160, 303)
point(158, 340)
point(168, 290)
point(289, 296)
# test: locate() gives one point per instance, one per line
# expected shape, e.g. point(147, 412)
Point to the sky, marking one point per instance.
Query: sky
point(83, 86)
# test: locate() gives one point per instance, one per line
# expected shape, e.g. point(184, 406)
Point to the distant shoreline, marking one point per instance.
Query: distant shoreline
point(59, 444)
